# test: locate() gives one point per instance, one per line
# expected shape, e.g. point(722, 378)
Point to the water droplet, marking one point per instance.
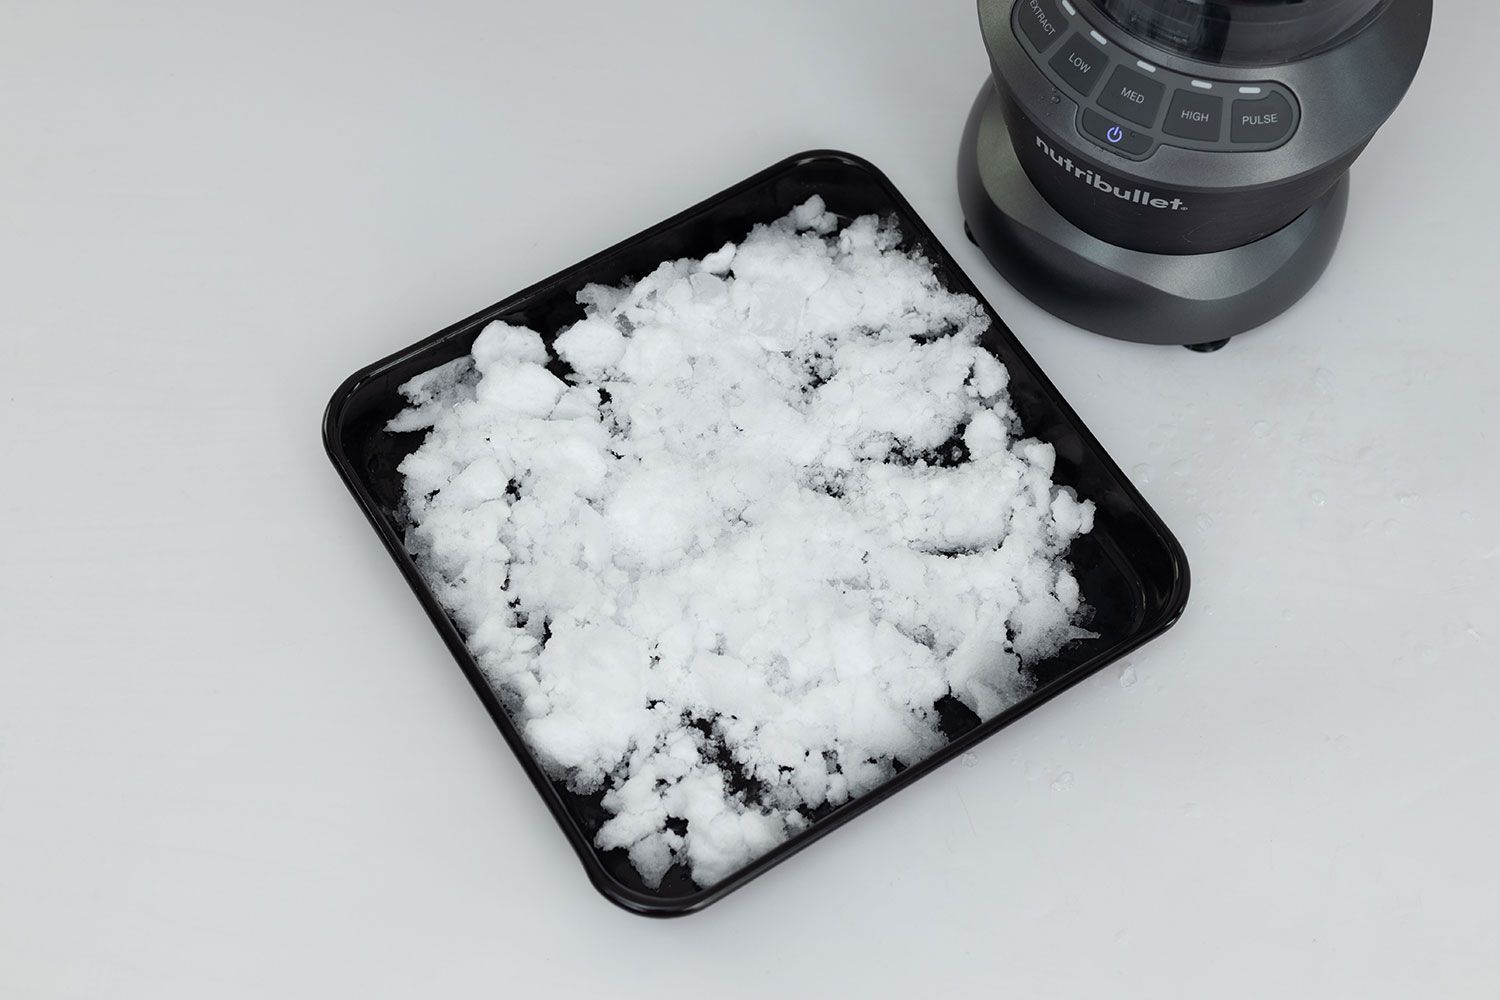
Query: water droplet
point(1323, 379)
point(1208, 610)
point(1262, 429)
point(1473, 633)
point(1204, 522)
point(1466, 515)
point(1287, 615)
point(1388, 527)
point(1191, 810)
point(1142, 473)
point(1181, 468)
point(1127, 676)
point(1031, 771)
point(1063, 782)
point(969, 759)
point(1426, 655)
point(1155, 447)
point(1406, 499)
point(1319, 498)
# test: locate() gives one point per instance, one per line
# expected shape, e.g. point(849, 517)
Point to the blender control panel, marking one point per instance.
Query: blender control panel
point(1130, 106)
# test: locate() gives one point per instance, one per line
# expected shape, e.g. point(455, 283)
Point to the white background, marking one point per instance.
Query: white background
point(236, 760)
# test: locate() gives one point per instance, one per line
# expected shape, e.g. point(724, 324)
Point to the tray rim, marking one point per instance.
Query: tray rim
point(606, 884)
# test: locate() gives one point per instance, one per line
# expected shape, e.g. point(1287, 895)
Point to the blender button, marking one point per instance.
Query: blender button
point(1195, 116)
point(1114, 135)
point(1132, 95)
point(1268, 119)
point(1079, 64)
point(1041, 22)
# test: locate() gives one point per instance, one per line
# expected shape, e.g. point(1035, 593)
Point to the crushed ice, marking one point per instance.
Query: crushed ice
point(723, 547)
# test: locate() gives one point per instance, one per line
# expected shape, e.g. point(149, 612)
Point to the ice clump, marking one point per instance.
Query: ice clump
point(721, 567)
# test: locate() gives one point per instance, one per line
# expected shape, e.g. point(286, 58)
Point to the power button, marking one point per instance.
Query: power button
point(1113, 135)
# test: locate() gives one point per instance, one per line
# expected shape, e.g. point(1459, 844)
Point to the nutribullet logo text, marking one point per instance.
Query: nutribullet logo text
point(1138, 196)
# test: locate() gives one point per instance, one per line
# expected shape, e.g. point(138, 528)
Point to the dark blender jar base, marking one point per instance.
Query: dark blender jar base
point(1196, 300)
point(1176, 171)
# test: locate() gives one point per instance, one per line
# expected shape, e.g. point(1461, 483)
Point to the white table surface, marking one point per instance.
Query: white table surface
point(236, 760)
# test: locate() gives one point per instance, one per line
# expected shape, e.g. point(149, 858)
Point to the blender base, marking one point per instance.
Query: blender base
point(1197, 300)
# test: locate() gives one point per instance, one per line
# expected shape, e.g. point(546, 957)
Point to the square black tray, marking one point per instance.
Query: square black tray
point(1131, 570)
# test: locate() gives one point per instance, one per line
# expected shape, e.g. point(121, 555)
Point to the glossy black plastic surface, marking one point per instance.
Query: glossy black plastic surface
point(1131, 570)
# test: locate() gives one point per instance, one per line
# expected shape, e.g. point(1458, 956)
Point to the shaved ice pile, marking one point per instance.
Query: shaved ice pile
point(723, 547)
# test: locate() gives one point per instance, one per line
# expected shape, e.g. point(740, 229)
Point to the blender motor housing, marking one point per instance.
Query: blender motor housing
point(1176, 171)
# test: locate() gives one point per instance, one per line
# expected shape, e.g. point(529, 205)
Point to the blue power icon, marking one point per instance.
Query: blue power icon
point(1115, 133)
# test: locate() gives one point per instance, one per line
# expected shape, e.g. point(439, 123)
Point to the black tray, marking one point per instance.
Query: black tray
point(1130, 569)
